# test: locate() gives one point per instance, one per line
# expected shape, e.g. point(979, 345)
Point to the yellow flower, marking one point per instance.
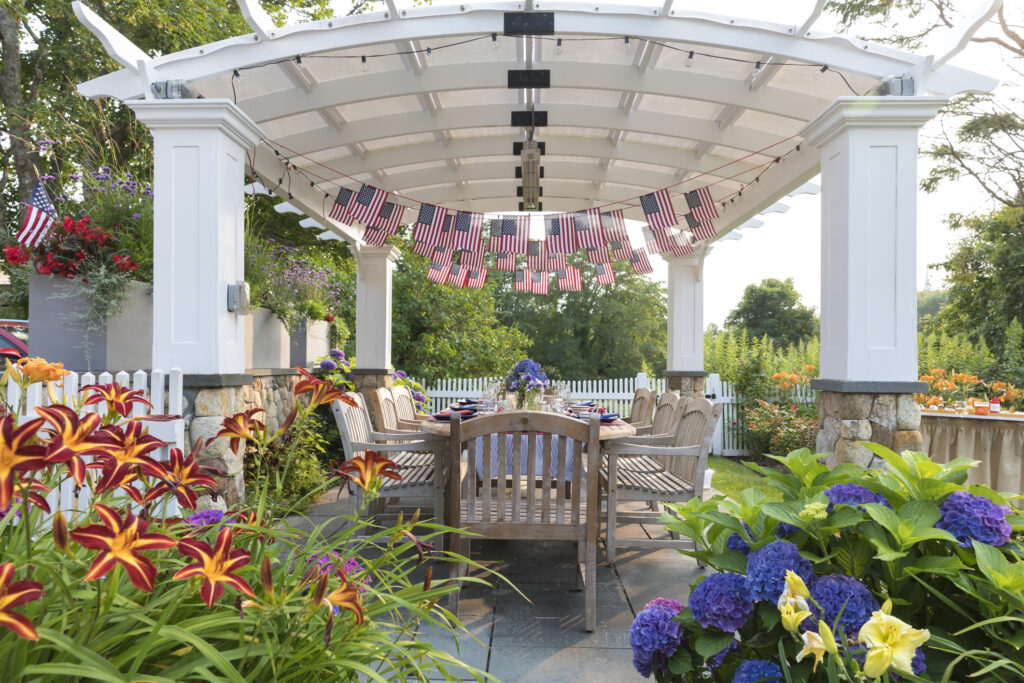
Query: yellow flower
point(813, 645)
point(796, 585)
point(792, 616)
point(793, 602)
point(827, 638)
point(890, 642)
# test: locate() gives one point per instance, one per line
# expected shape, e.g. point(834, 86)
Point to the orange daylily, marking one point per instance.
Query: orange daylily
point(122, 542)
point(128, 449)
point(119, 399)
point(181, 474)
point(322, 391)
point(216, 565)
point(71, 437)
point(367, 469)
point(933, 401)
point(17, 454)
point(345, 596)
point(13, 594)
point(31, 370)
point(241, 426)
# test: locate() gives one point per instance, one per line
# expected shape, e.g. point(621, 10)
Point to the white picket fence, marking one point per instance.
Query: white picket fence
point(729, 438)
point(163, 389)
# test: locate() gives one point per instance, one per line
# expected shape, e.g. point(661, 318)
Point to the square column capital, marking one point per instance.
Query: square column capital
point(369, 254)
point(192, 115)
point(885, 112)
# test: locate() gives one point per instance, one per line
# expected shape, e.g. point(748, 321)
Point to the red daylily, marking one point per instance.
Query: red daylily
point(13, 594)
point(128, 449)
point(71, 437)
point(17, 454)
point(321, 391)
point(345, 596)
point(367, 468)
point(216, 565)
point(27, 489)
point(119, 398)
point(241, 426)
point(122, 542)
point(181, 475)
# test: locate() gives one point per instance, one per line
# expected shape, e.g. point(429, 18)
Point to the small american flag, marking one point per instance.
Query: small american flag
point(510, 234)
point(466, 230)
point(457, 275)
point(446, 231)
point(701, 229)
point(430, 224)
point(588, 230)
point(605, 274)
point(441, 254)
point(522, 281)
point(569, 279)
point(701, 205)
point(561, 238)
point(367, 204)
point(658, 209)
point(599, 255)
point(390, 217)
point(614, 225)
point(437, 272)
point(641, 264)
point(423, 249)
point(39, 216)
point(476, 278)
point(680, 245)
point(506, 261)
point(536, 255)
point(660, 237)
point(539, 281)
point(339, 210)
point(472, 259)
point(375, 236)
point(554, 262)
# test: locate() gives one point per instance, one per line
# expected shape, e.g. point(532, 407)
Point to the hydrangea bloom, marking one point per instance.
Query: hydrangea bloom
point(852, 494)
point(716, 660)
point(970, 517)
point(766, 569)
point(336, 354)
point(666, 602)
point(783, 530)
point(835, 593)
point(723, 601)
point(759, 670)
point(737, 543)
point(328, 364)
point(654, 636)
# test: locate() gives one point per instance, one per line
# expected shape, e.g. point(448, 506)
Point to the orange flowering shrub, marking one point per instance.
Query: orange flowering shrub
point(944, 388)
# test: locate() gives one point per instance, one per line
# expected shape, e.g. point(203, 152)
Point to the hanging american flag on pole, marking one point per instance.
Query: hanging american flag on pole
point(339, 210)
point(554, 262)
point(658, 209)
point(614, 225)
point(701, 205)
point(437, 272)
point(701, 229)
point(466, 230)
point(475, 278)
point(558, 229)
point(506, 261)
point(587, 228)
point(539, 281)
point(569, 279)
point(522, 281)
point(641, 264)
point(430, 224)
point(367, 204)
point(510, 234)
point(536, 255)
point(604, 274)
point(39, 217)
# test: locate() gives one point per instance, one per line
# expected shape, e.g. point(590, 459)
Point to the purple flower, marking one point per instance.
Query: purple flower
point(783, 530)
point(208, 518)
point(852, 494)
point(723, 601)
point(757, 671)
point(400, 374)
point(766, 569)
point(328, 364)
point(666, 602)
point(837, 593)
point(737, 543)
point(654, 636)
point(974, 518)
point(136, 215)
point(75, 176)
point(336, 354)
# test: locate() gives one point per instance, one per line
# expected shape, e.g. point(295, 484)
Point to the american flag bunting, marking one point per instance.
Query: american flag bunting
point(390, 217)
point(366, 205)
point(587, 229)
point(660, 237)
point(539, 281)
point(614, 225)
point(569, 279)
point(558, 229)
point(437, 272)
point(701, 205)
point(509, 234)
point(599, 255)
point(466, 230)
point(701, 229)
point(536, 255)
point(472, 259)
point(506, 261)
point(658, 209)
point(476, 277)
point(641, 264)
point(39, 217)
point(441, 254)
point(423, 249)
point(339, 209)
point(430, 224)
point(522, 281)
point(680, 244)
point(554, 262)
point(375, 236)
point(604, 274)
point(457, 275)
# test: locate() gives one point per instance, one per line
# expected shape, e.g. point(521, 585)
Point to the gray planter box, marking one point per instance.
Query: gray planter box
point(267, 344)
point(58, 333)
point(310, 340)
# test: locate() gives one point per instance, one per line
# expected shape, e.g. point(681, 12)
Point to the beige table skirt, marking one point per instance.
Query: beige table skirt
point(998, 444)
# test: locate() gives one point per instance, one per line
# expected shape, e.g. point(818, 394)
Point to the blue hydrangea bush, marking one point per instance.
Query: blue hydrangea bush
point(910, 544)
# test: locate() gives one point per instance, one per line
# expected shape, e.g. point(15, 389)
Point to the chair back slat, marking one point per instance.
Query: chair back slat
point(642, 411)
point(545, 478)
point(471, 479)
point(517, 473)
point(485, 481)
point(384, 407)
point(693, 425)
point(351, 421)
point(404, 403)
point(576, 460)
point(502, 453)
point(531, 480)
point(560, 484)
point(665, 417)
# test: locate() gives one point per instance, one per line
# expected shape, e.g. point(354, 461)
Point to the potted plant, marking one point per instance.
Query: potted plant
point(526, 382)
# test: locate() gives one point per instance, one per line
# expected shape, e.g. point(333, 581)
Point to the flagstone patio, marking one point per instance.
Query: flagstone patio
point(536, 633)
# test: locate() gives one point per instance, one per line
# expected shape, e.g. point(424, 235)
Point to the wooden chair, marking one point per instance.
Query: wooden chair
point(656, 473)
point(385, 407)
point(558, 499)
point(642, 411)
point(419, 456)
point(664, 417)
point(405, 404)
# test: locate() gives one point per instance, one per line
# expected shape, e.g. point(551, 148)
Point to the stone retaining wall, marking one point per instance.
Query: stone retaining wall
point(892, 420)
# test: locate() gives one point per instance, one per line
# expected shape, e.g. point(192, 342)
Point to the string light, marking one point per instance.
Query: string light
point(625, 43)
point(821, 71)
point(757, 67)
point(689, 59)
point(558, 47)
point(362, 64)
point(494, 40)
point(237, 76)
point(429, 54)
point(298, 60)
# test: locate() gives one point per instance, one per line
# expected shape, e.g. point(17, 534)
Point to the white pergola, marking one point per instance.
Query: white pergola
point(415, 100)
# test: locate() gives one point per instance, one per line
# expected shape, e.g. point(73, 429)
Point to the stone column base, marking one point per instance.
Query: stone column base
point(845, 419)
point(686, 385)
point(366, 381)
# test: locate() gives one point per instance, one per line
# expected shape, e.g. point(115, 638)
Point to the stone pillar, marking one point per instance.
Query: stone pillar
point(199, 149)
point(685, 368)
point(868, 149)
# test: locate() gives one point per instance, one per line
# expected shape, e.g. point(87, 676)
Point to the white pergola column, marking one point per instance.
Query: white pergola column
point(373, 308)
point(685, 367)
point(200, 151)
point(868, 373)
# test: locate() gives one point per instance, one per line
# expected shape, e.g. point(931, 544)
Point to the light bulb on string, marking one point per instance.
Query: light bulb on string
point(429, 54)
point(689, 59)
point(558, 46)
point(757, 67)
point(625, 43)
point(822, 70)
point(362, 63)
point(298, 60)
point(494, 40)
point(237, 76)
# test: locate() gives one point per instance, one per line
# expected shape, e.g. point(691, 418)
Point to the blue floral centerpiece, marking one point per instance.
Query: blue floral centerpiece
point(526, 381)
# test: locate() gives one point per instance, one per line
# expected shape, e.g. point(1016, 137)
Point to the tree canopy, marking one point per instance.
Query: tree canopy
point(773, 309)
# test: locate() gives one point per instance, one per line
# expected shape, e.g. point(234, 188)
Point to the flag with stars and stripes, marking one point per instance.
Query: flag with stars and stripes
point(599, 255)
point(539, 281)
point(587, 228)
point(614, 225)
point(701, 205)
point(438, 272)
point(701, 229)
point(658, 209)
point(509, 234)
point(423, 249)
point(554, 262)
point(457, 275)
point(366, 205)
point(430, 224)
point(604, 274)
point(660, 238)
point(472, 259)
point(375, 236)
point(439, 254)
point(39, 217)
point(558, 230)
point(476, 277)
point(536, 255)
point(390, 217)
point(506, 261)
point(339, 210)
point(569, 279)
point(679, 244)
point(522, 281)
point(641, 264)
point(466, 230)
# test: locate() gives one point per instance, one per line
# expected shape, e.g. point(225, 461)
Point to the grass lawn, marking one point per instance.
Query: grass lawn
point(732, 477)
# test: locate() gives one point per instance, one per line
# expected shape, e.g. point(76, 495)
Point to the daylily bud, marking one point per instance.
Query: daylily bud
point(796, 585)
point(887, 607)
point(240, 607)
point(321, 589)
point(266, 576)
point(827, 638)
point(415, 517)
point(427, 578)
point(328, 629)
point(60, 531)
